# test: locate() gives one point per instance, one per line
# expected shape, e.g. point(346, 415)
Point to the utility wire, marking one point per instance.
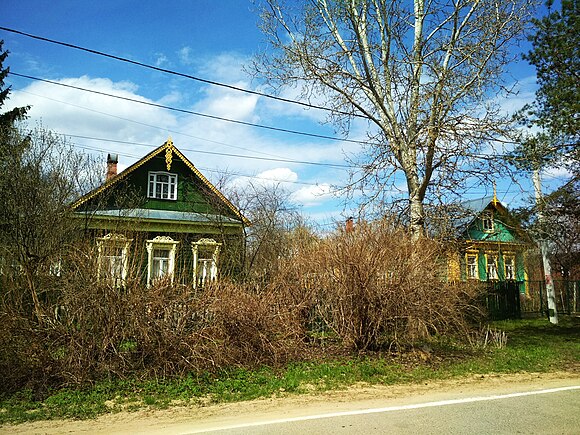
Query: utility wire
point(156, 127)
point(269, 159)
point(176, 73)
point(190, 112)
point(217, 171)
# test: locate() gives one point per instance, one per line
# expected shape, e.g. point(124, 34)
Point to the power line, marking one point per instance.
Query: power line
point(190, 112)
point(176, 73)
point(217, 171)
point(150, 125)
point(270, 159)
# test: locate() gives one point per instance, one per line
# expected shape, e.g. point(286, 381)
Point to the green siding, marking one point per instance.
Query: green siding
point(520, 267)
point(131, 192)
point(500, 267)
point(501, 232)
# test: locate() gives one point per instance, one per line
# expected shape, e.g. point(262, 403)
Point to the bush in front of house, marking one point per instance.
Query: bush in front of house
point(368, 290)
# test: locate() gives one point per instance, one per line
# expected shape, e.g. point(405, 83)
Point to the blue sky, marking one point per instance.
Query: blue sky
point(205, 38)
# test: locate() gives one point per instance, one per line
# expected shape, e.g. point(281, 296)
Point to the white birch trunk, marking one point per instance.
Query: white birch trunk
point(551, 294)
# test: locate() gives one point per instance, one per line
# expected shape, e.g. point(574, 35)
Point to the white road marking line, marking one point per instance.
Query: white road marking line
point(387, 409)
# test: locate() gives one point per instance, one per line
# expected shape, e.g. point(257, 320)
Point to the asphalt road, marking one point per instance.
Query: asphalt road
point(554, 411)
point(528, 403)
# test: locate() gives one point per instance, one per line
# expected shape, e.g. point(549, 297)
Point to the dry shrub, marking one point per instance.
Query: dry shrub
point(368, 289)
point(93, 331)
point(377, 287)
point(252, 327)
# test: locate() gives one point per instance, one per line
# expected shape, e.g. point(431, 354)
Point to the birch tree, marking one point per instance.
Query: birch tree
point(423, 73)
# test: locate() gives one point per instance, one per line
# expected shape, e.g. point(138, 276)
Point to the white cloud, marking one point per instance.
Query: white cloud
point(522, 92)
point(161, 59)
point(278, 175)
point(228, 104)
point(184, 55)
point(313, 195)
point(74, 112)
point(268, 178)
point(226, 68)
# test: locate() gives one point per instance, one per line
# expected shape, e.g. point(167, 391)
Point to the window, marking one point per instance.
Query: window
point(162, 185)
point(491, 266)
point(487, 221)
point(205, 258)
point(55, 268)
point(113, 261)
point(160, 263)
point(510, 270)
point(161, 259)
point(472, 266)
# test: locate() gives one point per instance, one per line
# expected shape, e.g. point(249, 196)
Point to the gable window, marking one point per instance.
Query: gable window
point(162, 185)
point(472, 266)
point(205, 258)
point(160, 259)
point(491, 266)
point(510, 270)
point(487, 221)
point(113, 258)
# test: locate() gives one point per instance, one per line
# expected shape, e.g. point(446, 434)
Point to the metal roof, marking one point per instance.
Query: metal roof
point(164, 215)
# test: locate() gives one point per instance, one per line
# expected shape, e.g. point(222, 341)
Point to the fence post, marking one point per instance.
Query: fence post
point(575, 300)
point(568, 297)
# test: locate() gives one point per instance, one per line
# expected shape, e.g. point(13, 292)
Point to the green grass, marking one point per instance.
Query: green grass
point(533, 346)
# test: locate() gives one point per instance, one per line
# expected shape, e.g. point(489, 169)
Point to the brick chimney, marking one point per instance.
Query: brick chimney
point(349, 227)
point(112, 160)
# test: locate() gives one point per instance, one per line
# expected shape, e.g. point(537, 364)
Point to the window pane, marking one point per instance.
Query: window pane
point(161, 253)
point(471, 266)
point(162, 186)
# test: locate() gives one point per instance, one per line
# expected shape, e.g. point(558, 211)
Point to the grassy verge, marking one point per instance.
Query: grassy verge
point(533, 346)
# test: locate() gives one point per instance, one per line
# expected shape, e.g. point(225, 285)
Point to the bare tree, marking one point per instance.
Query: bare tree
point(274, 218)
point(423, 73)
point(40, 176)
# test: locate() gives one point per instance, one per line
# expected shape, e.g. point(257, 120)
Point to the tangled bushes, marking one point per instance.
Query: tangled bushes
point(368, 290)
point(376, 287)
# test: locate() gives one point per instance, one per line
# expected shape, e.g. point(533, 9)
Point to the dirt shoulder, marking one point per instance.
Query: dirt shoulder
point(182, 419)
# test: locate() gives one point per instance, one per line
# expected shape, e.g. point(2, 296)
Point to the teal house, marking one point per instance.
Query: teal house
point(492, 244)
point(161, 220)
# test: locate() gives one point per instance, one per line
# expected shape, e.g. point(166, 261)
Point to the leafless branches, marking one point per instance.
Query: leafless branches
point(423, 74)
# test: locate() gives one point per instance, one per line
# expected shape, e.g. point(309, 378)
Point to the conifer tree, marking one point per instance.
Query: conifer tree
point(8, 118)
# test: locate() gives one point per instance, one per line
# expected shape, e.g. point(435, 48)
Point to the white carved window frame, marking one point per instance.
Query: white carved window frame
point(164, 243)
point(491, 261)
point(471, 268)
point(487, 223)
point(509, 261)
point(201, 271)
point(154, 181)
point(113, 241)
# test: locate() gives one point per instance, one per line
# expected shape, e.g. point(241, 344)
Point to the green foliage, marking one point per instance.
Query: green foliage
point(16, 114)
point(556, 110)
point(556, 56)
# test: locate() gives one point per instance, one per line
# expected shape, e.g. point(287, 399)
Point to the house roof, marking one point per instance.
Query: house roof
point(472, 209)
point(169, 150)
point(165, 215)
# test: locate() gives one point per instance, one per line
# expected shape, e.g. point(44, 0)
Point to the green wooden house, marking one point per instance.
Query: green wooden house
point(492, 245)
point(161, 219)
